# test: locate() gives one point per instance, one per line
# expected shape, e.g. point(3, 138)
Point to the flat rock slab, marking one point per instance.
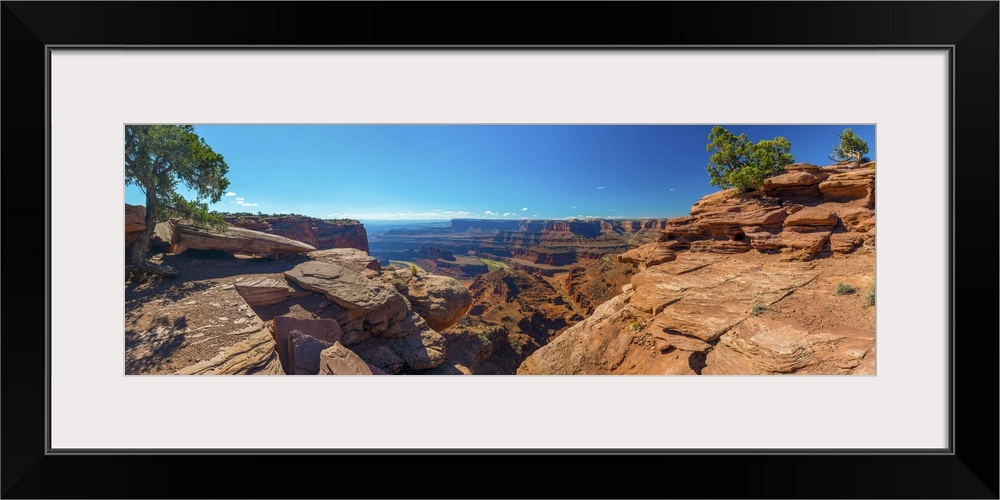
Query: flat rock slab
point(351, 258)
point(258, 291)
point(812, 216)
point(347, 288)
point(238, 240)
point(772, 346)
point(707, 312)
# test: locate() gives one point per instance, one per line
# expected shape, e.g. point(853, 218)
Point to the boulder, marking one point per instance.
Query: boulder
point(650, 254)
point(339, 360)
point(135, 221)
point(326, 330)
point(845, 242)
point(799, 180)
point(773, 346)
point(805, 240)
point(304, 353)
point(263, 291)
point(381, 305)
point(467, 346)
point(164, 234)
point(237, 240)
point(440, 300)
point(422, 348)
point(858, 219)
point(351, 258)
point(378, 355)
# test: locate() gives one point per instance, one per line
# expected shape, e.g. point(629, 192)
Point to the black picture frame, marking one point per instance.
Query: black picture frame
point(970, 470)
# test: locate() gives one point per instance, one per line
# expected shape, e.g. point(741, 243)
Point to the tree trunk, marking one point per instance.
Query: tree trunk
point(137, 258)
point(141, 244)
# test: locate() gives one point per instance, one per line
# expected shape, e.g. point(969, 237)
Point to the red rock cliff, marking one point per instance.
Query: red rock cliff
point(320, 233)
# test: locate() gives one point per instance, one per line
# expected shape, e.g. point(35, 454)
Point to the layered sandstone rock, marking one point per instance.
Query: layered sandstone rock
point(238, 240)
point(766, 346)
point(259, 291)
point(709, 299)
point(253, 356)
point(377, 322)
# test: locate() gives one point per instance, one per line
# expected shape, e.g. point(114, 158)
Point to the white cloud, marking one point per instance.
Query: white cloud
point(230, 194)
point(534, 216)
point(524, 209)
point(671, 189)
point(488, 212)
point(574, 206)
point(507, 214)
point(410, 215)
point(238, 198)
point(600, 187)
point(248, 204)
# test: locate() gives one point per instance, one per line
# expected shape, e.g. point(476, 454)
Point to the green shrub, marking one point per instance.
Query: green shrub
point(737, 162)
point(851, 148)
point(757, 308)
point(845, 289)
point(413, 269)
point(635, 325)
point(870, 295)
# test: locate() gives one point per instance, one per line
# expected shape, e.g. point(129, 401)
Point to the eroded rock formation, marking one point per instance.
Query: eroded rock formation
point(745, 284)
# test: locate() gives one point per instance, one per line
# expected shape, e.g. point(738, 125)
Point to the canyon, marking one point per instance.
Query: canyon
point(775, 281)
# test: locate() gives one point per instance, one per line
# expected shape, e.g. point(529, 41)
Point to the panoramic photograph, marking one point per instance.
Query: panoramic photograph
point(712, 249)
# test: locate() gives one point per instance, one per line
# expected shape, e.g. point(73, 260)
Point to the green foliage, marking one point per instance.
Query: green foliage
point(158, 158)
point(635, 325)
point(845, 289)
point(870, 295)
point(757, 308)
point(413, 269)
point(494, 265)
point(737, 162)
point(851, 148)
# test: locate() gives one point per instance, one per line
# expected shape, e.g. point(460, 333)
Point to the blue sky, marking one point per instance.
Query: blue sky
point(374, 172)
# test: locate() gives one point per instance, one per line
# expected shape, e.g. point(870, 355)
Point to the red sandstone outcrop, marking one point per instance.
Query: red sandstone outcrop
point(319, 233)
point(135, 222)
point(709, 299)
point(797, 212)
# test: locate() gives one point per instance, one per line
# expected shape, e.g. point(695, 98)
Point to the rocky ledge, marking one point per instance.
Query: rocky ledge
point(775, 281)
